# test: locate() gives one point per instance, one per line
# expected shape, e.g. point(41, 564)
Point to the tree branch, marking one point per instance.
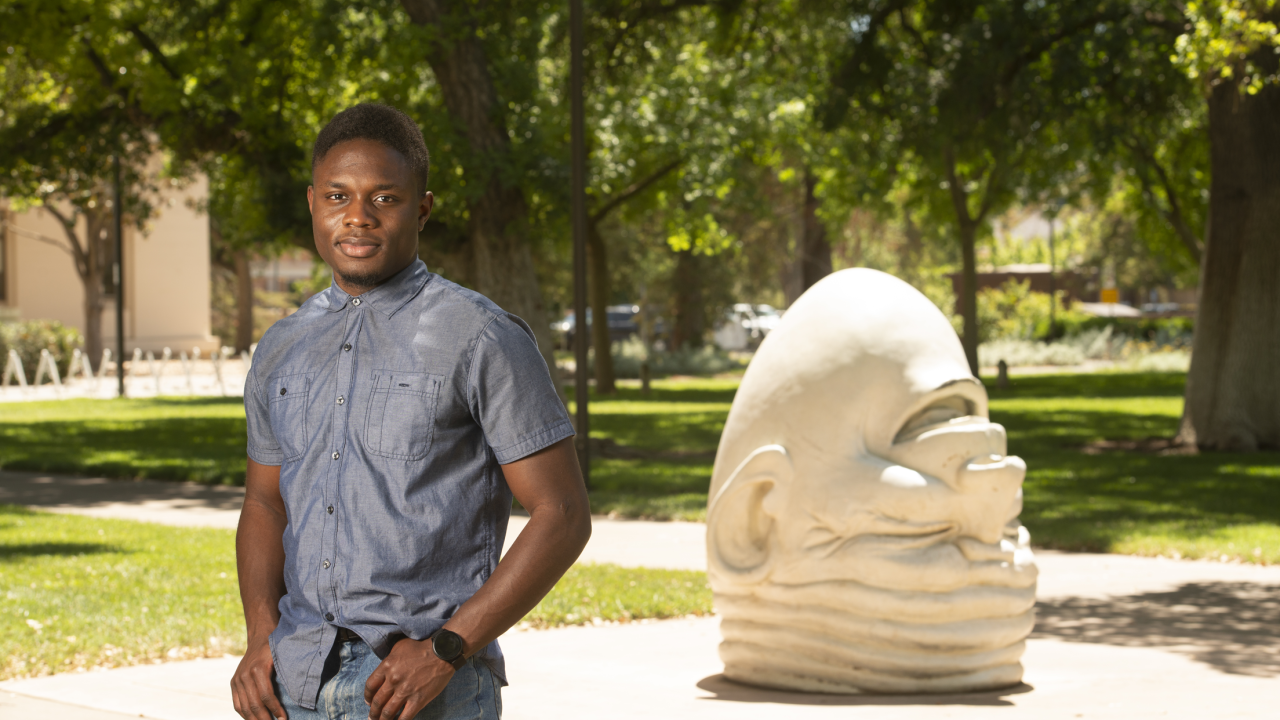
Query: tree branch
point(154, 50)
point(103, 71)
point(959, 198)
point(1174, 214)
point(68, 224)
point(635, 189)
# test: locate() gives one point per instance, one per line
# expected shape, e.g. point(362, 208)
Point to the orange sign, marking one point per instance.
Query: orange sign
point(1110, 295)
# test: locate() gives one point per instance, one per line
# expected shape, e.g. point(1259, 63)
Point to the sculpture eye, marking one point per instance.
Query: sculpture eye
point(937, 413)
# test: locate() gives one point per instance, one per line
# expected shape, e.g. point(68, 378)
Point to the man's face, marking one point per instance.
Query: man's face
point(366, 213)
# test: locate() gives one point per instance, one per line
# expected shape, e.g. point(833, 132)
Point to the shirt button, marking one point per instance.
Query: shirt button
point(336, 455)
point(330, 509)
point(347, 347)
point(328, 616)
point(341, 400)
point(356, 301)
point(326, 564)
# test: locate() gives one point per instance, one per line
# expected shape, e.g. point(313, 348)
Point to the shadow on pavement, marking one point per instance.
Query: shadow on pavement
point(725, 689)
point(1233, 627)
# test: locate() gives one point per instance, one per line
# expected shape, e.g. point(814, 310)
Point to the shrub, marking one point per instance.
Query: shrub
point(32, 336)
point(1013, 311)
point(706, 360)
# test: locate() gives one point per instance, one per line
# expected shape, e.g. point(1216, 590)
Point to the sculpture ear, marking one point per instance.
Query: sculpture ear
point(741, 537)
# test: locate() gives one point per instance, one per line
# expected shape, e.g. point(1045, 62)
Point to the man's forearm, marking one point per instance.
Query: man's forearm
point(260, 563)
point(550, 543)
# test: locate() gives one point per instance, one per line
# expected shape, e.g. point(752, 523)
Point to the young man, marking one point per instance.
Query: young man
point(390, 421)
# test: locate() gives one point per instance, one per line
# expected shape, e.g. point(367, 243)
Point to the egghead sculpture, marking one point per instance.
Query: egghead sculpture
point(862, 528)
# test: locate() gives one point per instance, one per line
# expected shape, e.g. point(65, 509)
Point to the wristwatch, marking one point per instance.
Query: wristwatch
point(449, 647)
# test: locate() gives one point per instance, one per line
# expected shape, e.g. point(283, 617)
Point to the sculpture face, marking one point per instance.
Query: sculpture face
point(862, 528)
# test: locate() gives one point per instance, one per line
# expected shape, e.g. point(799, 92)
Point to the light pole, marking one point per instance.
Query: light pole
point(117, 271)
point(578, 211)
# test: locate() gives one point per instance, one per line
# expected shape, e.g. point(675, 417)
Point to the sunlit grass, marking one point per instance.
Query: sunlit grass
point(78, 593)
point(592, 593)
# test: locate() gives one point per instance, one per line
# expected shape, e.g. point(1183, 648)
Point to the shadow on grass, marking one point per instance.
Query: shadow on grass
point(200, 449)
point(12, 552)
point(1096, 385)
point(725, 689)
point(1233, 627)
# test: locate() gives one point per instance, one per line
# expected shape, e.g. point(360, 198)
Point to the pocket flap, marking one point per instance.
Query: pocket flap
point(285, 386)
point(407, 382)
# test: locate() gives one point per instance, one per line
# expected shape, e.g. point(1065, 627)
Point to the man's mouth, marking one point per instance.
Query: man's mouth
point(356, 247)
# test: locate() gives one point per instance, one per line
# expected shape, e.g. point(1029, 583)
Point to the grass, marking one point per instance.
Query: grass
point(79, 593)
point(1214, 505)
point(199, 439)
point(656, 457)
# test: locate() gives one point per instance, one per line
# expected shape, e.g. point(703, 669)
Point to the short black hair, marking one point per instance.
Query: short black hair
point(380, 123)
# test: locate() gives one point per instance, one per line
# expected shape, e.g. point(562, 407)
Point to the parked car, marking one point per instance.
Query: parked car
point(744, 325)
point(623, 323)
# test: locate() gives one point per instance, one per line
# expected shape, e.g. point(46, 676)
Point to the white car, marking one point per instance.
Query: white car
point(744, 325)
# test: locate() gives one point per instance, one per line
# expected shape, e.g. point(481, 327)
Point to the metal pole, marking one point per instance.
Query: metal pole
point(578, 193)
point(1053, 284)
point(118, 272)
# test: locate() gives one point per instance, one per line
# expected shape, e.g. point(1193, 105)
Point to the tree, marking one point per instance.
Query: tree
point(1233, 391)
point(978, 97)
point(63, 128)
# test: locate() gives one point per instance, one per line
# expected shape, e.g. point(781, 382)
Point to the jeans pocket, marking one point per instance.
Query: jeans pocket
point(402, 414)
point(287, 407)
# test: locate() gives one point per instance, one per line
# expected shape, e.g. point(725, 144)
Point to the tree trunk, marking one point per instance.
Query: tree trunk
point(504, 270)
point(1233, 389)
point(244, 301)
point(969, 294)
point(598, 268)
point(101, 249)
point(815, 251)
point(689, 323)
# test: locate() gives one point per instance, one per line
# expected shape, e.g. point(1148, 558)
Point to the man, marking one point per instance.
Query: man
point(390, 422)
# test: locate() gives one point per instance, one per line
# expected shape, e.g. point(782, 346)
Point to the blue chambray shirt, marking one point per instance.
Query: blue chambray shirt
point(389, 414)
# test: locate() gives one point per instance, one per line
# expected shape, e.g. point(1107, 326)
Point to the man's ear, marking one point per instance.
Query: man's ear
point(742, 517)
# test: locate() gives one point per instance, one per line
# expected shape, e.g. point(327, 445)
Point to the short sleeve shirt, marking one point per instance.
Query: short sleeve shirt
point(389, 415)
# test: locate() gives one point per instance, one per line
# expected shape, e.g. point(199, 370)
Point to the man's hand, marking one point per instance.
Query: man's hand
point(406, 681)
point(251, 690)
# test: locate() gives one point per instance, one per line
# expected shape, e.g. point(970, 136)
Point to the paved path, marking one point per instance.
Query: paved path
point(1117, 637)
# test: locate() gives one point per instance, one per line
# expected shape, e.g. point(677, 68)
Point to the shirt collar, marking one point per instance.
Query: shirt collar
point(388, 297)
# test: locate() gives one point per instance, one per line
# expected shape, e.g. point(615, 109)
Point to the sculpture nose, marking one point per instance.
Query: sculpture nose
point(991, 489)
point(945, 452)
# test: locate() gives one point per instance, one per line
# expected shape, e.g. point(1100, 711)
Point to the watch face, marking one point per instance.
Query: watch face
point(447, 645)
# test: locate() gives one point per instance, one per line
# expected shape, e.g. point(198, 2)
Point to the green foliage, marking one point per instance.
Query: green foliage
point(1221, 37)
point(82, 593)
point(1014, 311)
point(32, 336)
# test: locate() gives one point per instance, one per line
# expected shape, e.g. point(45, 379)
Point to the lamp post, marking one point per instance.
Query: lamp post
point(117, 272)
point(578, 211)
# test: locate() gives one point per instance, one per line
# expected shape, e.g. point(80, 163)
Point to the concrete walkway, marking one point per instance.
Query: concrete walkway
point(1117, 637)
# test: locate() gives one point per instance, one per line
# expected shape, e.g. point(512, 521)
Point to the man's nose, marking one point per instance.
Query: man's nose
point(359, 214)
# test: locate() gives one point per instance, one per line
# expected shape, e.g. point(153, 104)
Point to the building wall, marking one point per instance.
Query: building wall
point(166, 273)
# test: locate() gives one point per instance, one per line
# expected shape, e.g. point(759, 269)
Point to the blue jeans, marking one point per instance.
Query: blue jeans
point(472, 694)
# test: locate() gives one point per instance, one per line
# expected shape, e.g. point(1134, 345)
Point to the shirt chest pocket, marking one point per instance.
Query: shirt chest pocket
point(402, 414)
point(287, 405)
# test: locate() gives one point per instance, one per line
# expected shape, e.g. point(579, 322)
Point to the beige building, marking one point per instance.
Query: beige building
point(166, 275)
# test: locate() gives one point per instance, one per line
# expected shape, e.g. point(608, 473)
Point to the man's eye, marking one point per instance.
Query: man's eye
point(337, 196)
point(384, 198)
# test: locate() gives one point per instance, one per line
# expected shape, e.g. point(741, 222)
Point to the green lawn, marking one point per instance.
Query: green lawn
point(654, 456)
point(79, 593)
